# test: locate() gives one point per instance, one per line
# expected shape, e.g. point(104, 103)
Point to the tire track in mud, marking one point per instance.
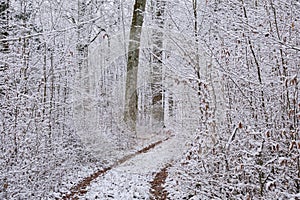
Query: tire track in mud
point(80, 188)
point(157, 189)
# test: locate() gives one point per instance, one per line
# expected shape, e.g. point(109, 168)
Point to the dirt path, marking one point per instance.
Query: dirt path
point(157, 190)
point(133, 176)
point(80, 188)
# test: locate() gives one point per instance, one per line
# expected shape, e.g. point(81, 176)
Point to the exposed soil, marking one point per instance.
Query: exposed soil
point(80, 188)
point(157, 190)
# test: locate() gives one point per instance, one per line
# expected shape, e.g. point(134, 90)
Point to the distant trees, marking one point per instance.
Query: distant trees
point(82, 93)
point(157, 63)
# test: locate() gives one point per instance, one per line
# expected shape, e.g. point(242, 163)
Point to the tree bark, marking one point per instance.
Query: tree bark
point(131, 97)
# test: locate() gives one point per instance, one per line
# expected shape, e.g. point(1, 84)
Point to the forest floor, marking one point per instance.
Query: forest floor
point(138, 175)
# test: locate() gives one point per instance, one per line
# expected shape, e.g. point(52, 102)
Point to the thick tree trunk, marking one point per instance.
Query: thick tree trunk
point(131, 96)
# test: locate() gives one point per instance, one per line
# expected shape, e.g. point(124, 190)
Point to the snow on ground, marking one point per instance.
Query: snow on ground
point(110, 147)
point(130, 180)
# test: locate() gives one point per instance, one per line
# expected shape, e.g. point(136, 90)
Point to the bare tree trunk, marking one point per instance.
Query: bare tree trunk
point(4, 6)
point(202, 90)
point(157, 66)
point(4, 45)
point(82, 62)
point(258, 67)
point(131, 96)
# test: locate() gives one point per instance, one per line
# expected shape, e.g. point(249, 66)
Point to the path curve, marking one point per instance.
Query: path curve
point(131, 179)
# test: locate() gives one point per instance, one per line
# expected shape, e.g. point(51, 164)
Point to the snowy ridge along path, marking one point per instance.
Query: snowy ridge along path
point(130, 177)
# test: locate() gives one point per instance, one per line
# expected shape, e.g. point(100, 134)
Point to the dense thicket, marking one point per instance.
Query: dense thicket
point(228, 71)
point(255, 47)
point(38, 62)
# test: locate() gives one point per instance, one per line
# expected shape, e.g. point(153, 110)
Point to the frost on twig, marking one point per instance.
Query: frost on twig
point(231, 137)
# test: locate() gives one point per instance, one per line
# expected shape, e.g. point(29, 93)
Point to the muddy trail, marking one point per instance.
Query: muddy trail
point(81, 187)
point(157, 190)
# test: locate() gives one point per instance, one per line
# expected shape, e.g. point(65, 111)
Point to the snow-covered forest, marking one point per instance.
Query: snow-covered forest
point(149, 99)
